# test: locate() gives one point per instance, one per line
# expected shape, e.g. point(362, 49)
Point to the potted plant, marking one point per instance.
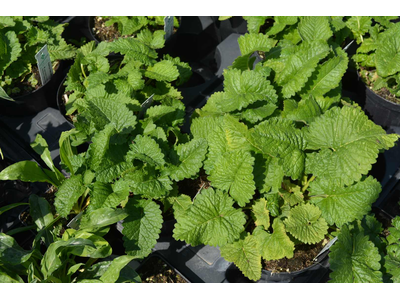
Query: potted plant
point(376, 61)
point(69, 256)
point(279, 171)
point(21, 89)
point(131, 79)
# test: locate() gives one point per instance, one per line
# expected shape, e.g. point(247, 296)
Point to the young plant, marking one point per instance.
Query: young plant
point(59, 261)
point(129, 79)
point(109, 28)
point(22, 38)
point(282, 173)
point(362, 253)
point(378, 60)
point(131, 162)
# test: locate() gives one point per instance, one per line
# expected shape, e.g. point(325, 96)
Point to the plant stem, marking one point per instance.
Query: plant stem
point(248, 223)
point(83, 71)
point(307, 184)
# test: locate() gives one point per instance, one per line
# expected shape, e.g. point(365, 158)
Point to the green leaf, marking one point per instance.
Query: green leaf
point(249, 43)
point(339, 204)
point(392, 259)
point(254, 23)
point(13, 278)
point(99, 146)
point(306, 224)
point(154, 39)
point(11, 252)
point(101, 248)
point(387, 55)
point(279, 138)
point(113, 271)
point(276, 245)
point(304, 111)
point(354, 259)
point(105, 111)
point(261, 213)
point(133, 49)
point(189, 160)
point(10, 50)
point(51, 260)
point(327, 75)
point(146, 149)
point(40, 211)
point(359, 25)
point(349, 144)
point(142, 227)
point(184, 69)
point(4, 95)
point(101, 217)
point(5, 208)
point(258, 111)
point(40, 146)
point(245, 255)
point(234, 173)
point(313, 28)
point(211, 220)
point(292, 72)
point(164, 70)
point(68, 194)
point(180, 203)
point(28, 171)
point(149, 183)
point(245, 88)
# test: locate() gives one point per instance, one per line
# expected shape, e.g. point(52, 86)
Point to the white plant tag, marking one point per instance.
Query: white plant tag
point(168, 27)
point(145, 105)
point(44, 65)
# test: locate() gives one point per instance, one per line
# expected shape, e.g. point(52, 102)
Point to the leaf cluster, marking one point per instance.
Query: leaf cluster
point(21, 38)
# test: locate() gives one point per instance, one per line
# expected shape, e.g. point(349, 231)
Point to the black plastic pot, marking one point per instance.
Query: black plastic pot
point(318, 272)
point(383, 112)
point(36, 101)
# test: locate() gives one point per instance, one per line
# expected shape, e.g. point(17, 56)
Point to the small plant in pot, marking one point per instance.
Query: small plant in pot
point(110, 28)
point(131, 79)
point(22, 38)
point(377, 61)
point(284, 175)
point(68, 256)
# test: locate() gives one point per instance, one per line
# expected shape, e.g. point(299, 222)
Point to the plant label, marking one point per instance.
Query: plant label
point(44, 65)
point(168, 27)
point(145, 105)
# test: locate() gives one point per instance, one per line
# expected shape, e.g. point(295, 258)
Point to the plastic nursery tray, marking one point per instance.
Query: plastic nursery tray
point(196, 264)
point(49, 123)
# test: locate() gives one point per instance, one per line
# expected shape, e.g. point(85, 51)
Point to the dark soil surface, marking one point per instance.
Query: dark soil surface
point(155, 270)
point(190, 187)
point(383, 92)
point(103, 32)
point(302, 258)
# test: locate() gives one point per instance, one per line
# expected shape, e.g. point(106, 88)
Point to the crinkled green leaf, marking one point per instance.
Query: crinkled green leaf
point(68, 194)
point(211, 220)
point(304, 111)
point(276, 245)
point(191, 156)
point(142, 227)
point(339, 204)
point(359, 25)
point(233, 173)
point(293, 72)
point(349, 144)
point(306, 224)
point(146, 149)
point(392, 259)
point(313, 28)
point(245, 88)
point(353, 258)
point(133, 49)
point(261, 213)
point(327, 75)
point(279, 138)
point(245, 255)
point(164, 70)
point(254, 23)
point(387, 55)
point(251, 42)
